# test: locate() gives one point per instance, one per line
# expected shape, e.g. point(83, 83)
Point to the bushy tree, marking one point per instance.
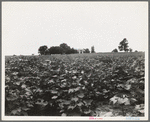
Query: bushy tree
point(92, 49)
point(115, 50)
point(65, 48)
point(123, 45)
point(130, 50)
point(62, 49)
point(55, 50)
point(42, 49)
point(86, 50)
point(72, 51)
point(47, 52)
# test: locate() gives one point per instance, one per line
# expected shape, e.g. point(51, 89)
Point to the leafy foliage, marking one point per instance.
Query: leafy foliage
point(92, 49)
point(115, 50)
point(55, 50)
point(123, 45)
point(62, 49)
point(72, 86)
point(86, 50)
point(130, 49)
point(42, 50)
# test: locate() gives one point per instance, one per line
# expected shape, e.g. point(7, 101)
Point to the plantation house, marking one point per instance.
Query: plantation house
point(81, 51)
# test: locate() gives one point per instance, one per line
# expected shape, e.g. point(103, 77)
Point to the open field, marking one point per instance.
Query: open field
point(87, 55)
point(102, 84)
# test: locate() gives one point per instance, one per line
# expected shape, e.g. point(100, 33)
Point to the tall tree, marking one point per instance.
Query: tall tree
point(92, 49)
point(42, 49)
point(130, 50)
point(123, 45)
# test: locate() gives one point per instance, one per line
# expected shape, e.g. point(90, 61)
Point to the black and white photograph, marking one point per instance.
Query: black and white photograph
point(74, 60)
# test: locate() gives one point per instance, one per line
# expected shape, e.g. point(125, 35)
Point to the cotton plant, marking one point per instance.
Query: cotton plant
point(121, 100)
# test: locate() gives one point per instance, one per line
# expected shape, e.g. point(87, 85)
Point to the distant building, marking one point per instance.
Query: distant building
point(81, 51)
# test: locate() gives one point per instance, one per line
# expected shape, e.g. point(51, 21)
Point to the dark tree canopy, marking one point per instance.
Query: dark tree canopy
point(55, 50)
point(123, 45)
point(130, 50)
point(65, 48)
point(62, 49)
point(72, 51)
point(92, 49)
point(86, 50)
point(42, 49)
point(115, 50)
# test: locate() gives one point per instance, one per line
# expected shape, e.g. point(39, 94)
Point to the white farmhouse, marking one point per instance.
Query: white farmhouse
point(81, 51)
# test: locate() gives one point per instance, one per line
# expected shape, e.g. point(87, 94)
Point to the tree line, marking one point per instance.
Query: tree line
point(61, 49)
point(65, 49)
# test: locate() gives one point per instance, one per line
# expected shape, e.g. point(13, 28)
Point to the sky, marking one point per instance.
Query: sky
point(28, 25)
